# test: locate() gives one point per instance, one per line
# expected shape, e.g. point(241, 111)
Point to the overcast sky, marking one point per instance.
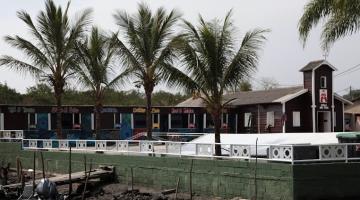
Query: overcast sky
point(281, 59)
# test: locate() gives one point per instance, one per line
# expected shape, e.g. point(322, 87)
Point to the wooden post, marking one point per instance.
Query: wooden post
point(34, 165)
point(190, 179)
point(177, 188)
point(70, 182)
point(255, 171)
point(42, 164)
point(85, 164)
point(87, 179)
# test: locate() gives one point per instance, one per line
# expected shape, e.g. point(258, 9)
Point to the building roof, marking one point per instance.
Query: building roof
point(278, 95)
point(315, 64)
point(354, 108)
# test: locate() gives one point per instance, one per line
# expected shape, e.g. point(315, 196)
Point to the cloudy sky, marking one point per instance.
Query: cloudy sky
point(282, 56)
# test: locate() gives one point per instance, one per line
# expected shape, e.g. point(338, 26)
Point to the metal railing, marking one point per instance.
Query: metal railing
point(280, 153)
point(11, 135)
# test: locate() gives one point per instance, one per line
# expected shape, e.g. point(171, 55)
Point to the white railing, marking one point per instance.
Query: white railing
point(280, 153)
point(11, 135)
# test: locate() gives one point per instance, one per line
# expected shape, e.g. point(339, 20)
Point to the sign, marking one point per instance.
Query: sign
point(182, 110)
point(65, 110)
point(323, 96)
point(155, 110)
point(139, 110)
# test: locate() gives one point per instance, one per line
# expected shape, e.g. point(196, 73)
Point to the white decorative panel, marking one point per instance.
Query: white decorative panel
point(240, 151)
point(122, 145)
point(100, 145)
point(173, 148)
point(204, 149)
point(146, 147)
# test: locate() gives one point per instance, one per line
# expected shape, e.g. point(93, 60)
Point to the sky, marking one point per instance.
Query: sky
point(282, 56)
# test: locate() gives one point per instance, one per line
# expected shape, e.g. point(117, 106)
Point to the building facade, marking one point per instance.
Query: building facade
point(311, 107)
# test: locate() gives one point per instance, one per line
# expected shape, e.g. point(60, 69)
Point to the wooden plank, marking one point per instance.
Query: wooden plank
point(75, 178)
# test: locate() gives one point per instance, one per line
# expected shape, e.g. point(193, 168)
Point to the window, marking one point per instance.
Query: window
point(32, 119)
point(155, 118)
point(247, 119)
point(77, 119)
point(323, 82)
point(224, 118)
point(296, 119)
point(139, 120)
point(270, 121)
point(191, 119)
point(334, 119)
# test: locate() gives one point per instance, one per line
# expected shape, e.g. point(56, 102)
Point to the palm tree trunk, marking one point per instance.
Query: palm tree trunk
point(98, 108)
point(217, 125)
point(148, 114)
point(58, 117)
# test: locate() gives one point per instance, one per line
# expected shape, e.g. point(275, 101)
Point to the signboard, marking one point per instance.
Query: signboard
point(139, 110)
point(323, 95)
point(182, 110)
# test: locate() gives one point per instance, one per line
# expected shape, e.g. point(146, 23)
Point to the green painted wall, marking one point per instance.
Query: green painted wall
point(225, 178)
point(327, 181)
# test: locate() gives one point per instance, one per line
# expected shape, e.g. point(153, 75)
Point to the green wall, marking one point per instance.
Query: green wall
point(224, 178)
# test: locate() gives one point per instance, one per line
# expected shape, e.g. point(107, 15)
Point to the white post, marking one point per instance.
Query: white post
point(132, 120)
point(92, 121)
point(236, 123)
point(204, 125)
point(80, 118)
point(343, 117)
point(2, 121)
point(283, 113)
point(169, 120)
point(49, 121)
point(313, 106)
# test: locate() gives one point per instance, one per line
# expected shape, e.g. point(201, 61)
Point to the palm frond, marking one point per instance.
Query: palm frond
point(20, 66)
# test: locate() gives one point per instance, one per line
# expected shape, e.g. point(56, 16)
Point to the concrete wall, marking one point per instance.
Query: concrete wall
point(223, 178)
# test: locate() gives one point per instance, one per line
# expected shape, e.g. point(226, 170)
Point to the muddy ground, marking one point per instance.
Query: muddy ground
point(97, 190)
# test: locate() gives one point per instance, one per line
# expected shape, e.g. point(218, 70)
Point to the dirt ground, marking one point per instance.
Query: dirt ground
point(97, 190)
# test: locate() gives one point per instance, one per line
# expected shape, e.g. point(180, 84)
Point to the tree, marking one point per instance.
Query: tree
point(9, 95)
point(148, 49)
point(268, 83)
point(341, 18)
point(243, 86)
point(50, 51)
point(96, 57)
point(214, 63)
point(40, 94)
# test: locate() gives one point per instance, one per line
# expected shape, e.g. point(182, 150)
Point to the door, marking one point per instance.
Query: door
point(324, 121)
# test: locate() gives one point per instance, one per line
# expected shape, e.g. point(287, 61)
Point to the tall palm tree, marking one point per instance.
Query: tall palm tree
point(214, 63)
point(50, 51)
point(97, 56)
point(341, 18)
point(147, 49)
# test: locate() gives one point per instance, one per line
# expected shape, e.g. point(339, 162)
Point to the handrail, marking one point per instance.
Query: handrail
point(344, 152)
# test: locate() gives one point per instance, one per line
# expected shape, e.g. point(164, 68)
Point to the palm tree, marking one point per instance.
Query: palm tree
point(148, 49)
point(213, 63)
point(341, 18)
point(50, 51)
point(97, 56)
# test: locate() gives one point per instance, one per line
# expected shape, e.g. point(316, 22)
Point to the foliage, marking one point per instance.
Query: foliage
point(341, 18)
point(268, 83)
point(49, 53)
point(42, 94)
point(9, 95)
point(147, 50)
point(214, 63)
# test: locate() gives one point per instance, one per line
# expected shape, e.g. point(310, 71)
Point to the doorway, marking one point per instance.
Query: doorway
point(323, 121)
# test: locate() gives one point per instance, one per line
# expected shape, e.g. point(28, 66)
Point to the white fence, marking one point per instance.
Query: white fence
point(11, 135)
point(280, 153)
